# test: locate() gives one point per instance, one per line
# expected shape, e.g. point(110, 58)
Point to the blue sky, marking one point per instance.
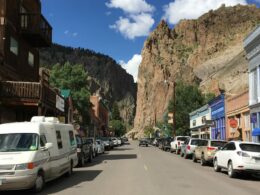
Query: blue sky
point(118, 28)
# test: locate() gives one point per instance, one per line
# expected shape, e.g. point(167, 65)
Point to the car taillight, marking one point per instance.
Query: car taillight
point(188, 147)
point(178, 143)
point(211, 148)
point(243, 154)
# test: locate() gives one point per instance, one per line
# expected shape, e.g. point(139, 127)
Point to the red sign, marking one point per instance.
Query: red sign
point(233, 123)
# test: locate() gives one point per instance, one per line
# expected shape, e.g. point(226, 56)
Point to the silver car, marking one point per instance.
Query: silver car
point(188, 147)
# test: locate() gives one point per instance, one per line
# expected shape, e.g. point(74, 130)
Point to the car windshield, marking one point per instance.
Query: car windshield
point(194, 141)
point(181, 138)
point(18, 142)
point(250, 147)
point(217, 143)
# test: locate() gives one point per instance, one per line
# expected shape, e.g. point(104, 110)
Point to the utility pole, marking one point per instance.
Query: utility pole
point(174, 110)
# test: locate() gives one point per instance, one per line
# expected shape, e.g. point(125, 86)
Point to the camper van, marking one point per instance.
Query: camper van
point(35, 152)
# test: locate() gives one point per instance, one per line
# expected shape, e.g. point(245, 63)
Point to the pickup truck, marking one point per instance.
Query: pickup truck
point(84, 150)
point(206, 150)
point(176, 144)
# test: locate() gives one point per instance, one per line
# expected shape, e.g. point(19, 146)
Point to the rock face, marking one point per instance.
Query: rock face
point(106, 77)
point(207, 51)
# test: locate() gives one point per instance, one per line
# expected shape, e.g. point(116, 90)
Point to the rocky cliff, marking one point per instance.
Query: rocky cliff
point(208, 51)
point(106, 77)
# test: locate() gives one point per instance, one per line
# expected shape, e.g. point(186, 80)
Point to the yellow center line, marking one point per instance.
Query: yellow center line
point(145, 168)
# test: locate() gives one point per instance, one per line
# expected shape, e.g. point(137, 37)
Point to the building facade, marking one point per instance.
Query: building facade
point(24, 87)
point(238, 118)
point(200, 123)
point(252, 48)
point(217, 107)
point(100, 117)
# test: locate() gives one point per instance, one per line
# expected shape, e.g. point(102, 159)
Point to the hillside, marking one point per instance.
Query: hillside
point(208, 51)
point(106, 77)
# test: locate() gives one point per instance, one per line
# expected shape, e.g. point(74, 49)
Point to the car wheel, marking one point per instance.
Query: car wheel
point(215, 165)
point(194, 159)
point(39, 183)
point(231, 172)
point(171, 151)
point(202, 160)
point(90, 157)
point(186, 155)
point(81, 160)
point(146, 145)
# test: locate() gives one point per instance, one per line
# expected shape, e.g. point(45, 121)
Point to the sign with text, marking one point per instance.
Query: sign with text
point(59, 103)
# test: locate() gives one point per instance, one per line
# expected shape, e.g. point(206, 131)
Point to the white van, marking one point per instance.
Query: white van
point(32, 153)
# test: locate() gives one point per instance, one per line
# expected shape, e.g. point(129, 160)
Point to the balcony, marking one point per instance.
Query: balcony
point(36, 29)
point(28, 94)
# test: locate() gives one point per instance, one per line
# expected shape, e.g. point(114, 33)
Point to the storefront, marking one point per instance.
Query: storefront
point(238, 118)
point(217, 107)
point(252, 48)
point(200, 122)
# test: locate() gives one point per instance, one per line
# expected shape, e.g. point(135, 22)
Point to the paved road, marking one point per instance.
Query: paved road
point(133, 170)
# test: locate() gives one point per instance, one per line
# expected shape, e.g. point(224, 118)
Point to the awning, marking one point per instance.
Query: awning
point(256, 132)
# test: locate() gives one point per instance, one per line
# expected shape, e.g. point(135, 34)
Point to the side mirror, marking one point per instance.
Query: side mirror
point(48, 146)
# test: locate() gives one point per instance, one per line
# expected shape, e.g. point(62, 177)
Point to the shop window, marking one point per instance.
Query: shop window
point(13, 46)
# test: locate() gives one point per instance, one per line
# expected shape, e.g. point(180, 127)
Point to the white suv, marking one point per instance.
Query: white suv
point(176, 144)
point(237, 156)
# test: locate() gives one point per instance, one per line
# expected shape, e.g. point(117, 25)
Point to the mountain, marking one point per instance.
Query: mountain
point(207, 51)
point(106, 77)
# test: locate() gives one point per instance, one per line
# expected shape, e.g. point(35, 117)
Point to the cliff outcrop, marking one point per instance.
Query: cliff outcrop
point(208, 51)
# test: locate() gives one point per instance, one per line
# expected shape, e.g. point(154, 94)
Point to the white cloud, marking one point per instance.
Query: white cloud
point(134, 26)
point(138, 19)
point(75, 34)
point(192, 9)
point(131, 6)
point(132, 65)
point(66, 32)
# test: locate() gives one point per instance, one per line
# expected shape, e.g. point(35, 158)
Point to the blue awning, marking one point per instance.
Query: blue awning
point(256, 132)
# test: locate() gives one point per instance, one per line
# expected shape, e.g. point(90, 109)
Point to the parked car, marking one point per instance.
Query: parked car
point(84, 150)
point(119, 142)
point(100, 146)
point(108, 143)
point(166, 143)
point(237, 157)
point(206, 150)
point(143, 142)
point(94, 145)
point(160, 143)
point(177, 142)
point(188, 147)
point(23, 145)
point(115, 141)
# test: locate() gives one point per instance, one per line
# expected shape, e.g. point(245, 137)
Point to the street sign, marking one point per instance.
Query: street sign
point(233, 123)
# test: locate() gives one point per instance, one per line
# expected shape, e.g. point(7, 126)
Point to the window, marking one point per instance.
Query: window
point(13, 46)
point(72, 140)
point(43, 140)
point(194, 123)
point(59, 141)
point(230, 146)
point(30, 58)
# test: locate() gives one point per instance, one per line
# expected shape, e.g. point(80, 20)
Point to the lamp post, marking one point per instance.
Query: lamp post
point(174, 107)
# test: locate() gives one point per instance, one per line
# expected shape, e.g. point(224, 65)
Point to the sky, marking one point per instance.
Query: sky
point(119, 28)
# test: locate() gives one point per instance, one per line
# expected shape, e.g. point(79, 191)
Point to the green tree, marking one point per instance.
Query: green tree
point(148, 130)
point(118, 127)
point(188, 99)
point(73, 77)
point(115, 114)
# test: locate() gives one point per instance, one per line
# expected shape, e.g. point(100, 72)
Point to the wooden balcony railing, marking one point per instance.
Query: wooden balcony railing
point(36, 29)
point(27, 93)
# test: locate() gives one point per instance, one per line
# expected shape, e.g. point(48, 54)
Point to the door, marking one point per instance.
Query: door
point(225, 153)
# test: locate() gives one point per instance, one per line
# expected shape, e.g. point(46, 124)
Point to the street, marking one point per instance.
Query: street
point(130, 169)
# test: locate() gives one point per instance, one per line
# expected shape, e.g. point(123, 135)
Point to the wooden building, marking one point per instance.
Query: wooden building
point(24, 90)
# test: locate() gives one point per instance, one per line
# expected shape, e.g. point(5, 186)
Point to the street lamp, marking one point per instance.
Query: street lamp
point(174, 106)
